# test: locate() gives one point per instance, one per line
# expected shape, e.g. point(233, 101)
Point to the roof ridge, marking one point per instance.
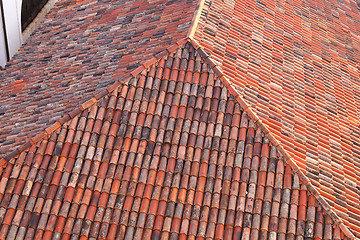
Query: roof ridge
point(86, 105)
point(287, 158)
point(195, 19)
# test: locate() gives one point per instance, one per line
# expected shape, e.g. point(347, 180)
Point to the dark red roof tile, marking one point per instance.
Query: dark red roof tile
point(161, 155)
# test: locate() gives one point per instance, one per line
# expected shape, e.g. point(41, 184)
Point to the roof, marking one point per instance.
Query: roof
point(274, 69)
point(81, 48)
point(296, 63)
point(169, 154)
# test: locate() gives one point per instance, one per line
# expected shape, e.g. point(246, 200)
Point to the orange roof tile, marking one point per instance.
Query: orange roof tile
point(168, 154)
point(296, 64)
point(99, 149)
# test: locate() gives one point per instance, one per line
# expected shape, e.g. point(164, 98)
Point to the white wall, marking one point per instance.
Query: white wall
point(12, 17)
point(3, 53)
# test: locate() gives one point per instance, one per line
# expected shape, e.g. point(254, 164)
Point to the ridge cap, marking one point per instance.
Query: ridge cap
point(97, 95)
point(195, 19)
point(287, 158)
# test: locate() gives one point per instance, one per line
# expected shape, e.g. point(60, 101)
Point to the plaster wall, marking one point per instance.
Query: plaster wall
point(10, 29)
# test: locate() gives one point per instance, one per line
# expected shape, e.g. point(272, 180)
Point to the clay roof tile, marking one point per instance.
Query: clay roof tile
point(164, 144)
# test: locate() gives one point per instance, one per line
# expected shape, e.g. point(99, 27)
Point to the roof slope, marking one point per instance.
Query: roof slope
point(169, 154)
point(222, 31)
point(297, 64)
point(81, 48)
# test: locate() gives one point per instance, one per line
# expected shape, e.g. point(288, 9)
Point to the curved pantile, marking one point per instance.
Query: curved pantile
point(296, 64)
point(81, 48)
point(169, 154)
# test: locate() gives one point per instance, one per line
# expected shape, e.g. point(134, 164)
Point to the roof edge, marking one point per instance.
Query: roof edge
point(88, 104)
point(37, 20)
point(288, 159)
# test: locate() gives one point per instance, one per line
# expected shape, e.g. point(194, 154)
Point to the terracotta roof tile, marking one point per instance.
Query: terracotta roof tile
point(162, 142)
point(97, 44)
point(102, 175)
point(295, 64)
